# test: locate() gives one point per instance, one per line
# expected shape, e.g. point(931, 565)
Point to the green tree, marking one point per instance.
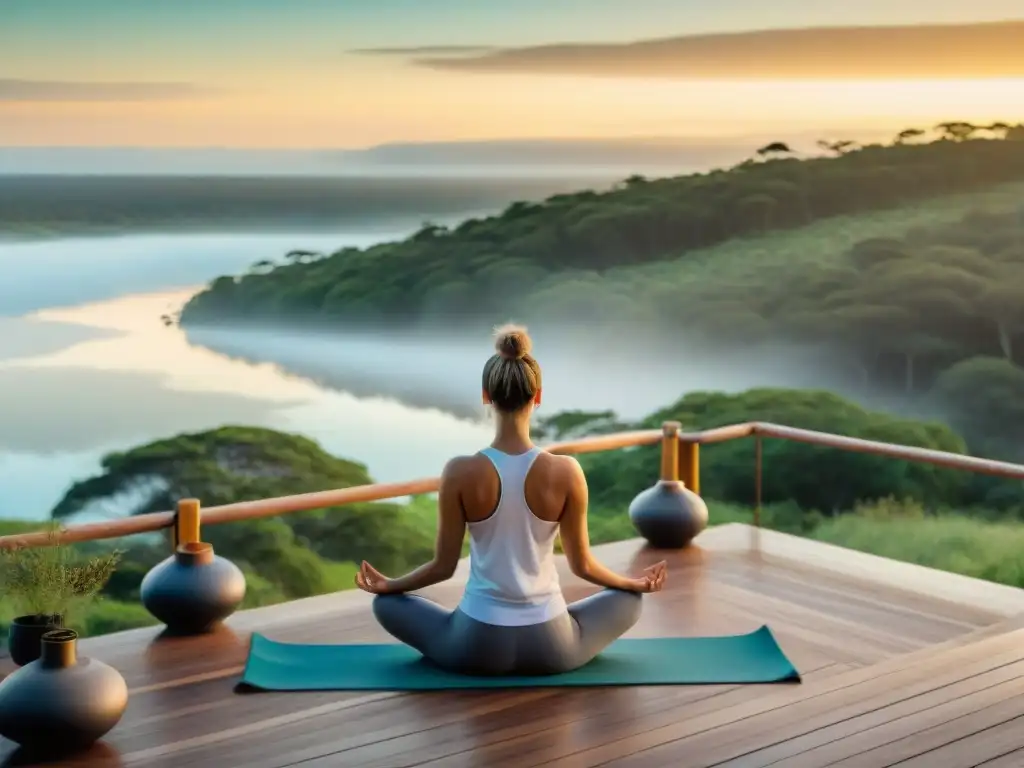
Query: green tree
point(232, 464)
point(1002, 302)
point(774, 149)
point(633, 224)
point(814, 478)
point(854, 327)
point(838, 147)
point(957, 130)
point(984, 398)
point(908, 134)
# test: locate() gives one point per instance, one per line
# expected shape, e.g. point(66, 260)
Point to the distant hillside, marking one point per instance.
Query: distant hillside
point(503, 158)
point(897, 269)
point(486, 267)
point(48, 206)
point(655, 156)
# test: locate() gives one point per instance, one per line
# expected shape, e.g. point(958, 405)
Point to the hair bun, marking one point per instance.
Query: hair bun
point(512, 341)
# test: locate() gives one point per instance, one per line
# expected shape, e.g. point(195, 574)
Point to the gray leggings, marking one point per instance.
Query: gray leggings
point(454, 641)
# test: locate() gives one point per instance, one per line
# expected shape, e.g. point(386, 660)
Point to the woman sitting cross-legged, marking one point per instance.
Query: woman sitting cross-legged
point(515, 498)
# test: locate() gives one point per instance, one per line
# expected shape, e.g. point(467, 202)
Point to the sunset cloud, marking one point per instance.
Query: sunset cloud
point(989, 50)
point(59, 90)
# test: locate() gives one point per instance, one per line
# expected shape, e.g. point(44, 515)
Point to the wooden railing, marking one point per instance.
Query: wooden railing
point(688, 472)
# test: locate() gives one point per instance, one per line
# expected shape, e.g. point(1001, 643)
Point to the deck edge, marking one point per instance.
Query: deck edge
point(922, 580)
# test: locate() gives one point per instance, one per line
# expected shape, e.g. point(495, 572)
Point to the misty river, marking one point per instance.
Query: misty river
point(87, 367)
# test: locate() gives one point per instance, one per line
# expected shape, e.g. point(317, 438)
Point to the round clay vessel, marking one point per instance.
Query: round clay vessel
point(669, 515)
point(193, 590)
point(61, 702)
point(25, 635)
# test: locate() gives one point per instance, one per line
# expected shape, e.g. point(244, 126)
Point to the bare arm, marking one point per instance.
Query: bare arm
point(451, 531)
point(576, 538)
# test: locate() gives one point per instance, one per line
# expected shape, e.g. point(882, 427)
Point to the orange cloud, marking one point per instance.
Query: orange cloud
point(988, 50)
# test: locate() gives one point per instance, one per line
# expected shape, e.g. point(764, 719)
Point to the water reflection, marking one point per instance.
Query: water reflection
point(22, 337)
point(73, 408)
point(129, 379)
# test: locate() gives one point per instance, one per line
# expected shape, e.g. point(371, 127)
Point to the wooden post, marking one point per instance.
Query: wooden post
point(757, 480)
point(689, 465)
point(186, 523)
point(670, 451)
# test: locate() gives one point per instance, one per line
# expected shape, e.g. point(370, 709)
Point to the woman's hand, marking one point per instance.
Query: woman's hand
point(369, 579)
point(653, 579)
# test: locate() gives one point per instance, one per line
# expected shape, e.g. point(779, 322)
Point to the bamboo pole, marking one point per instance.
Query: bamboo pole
point(670, 451)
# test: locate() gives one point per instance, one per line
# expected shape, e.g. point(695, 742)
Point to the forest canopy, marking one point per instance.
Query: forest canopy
point(899, 268)
point(291, 556)
point(485, 268)
point(44, 206)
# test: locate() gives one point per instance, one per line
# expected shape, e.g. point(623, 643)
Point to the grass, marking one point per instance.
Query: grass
point(993, 551)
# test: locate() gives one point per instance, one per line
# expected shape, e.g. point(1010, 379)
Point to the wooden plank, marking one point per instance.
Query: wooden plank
point(882, 725)
point(565, 735)
point(417, 729)
point(974, 738)
point(930, 619)
point(301, 735)
point(170, 749)
point(664, 733)
point(875, 572)
point(738, 736)
point(1014, 759)
point(298, 733)
point(183, 709)
point(886, 628)
point(864, 644)
point(723, 744)
point(894, 595)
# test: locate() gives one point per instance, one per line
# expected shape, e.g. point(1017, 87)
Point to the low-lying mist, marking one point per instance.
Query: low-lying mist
point(72, 271)
point(592, 372)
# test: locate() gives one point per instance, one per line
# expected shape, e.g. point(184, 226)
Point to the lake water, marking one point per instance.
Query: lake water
point(87, 367)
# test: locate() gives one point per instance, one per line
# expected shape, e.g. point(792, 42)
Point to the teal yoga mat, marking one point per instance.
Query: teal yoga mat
point(752, 658)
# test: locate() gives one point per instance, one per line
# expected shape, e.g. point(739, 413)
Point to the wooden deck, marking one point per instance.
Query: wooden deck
point(901, 665)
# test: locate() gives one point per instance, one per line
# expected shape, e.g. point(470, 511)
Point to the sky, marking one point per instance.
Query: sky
point(312, 73)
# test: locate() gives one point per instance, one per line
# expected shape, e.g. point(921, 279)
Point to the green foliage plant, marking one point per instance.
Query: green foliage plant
point(52, 580)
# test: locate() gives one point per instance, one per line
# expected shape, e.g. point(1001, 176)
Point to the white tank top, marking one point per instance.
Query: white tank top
point(512, 576)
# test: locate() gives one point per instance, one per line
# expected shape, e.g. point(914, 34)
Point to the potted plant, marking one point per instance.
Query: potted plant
point(48, 586)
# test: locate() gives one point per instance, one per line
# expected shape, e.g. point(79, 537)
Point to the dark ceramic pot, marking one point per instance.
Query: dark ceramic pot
point(669, 515)
point(194, 590)
point(61, 703)
point(25, 635)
